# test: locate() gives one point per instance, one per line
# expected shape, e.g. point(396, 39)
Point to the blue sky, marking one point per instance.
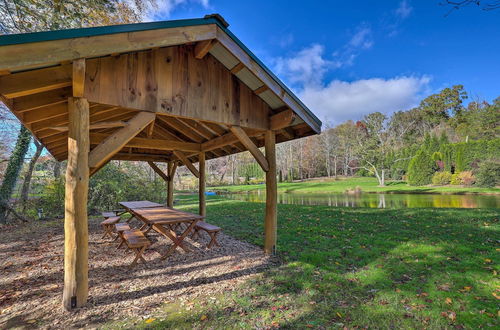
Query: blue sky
point(349, 58)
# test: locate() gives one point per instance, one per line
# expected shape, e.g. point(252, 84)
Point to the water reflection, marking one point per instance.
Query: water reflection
point(378, 200)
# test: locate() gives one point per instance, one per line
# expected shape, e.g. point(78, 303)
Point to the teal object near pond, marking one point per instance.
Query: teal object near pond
point(396, 201)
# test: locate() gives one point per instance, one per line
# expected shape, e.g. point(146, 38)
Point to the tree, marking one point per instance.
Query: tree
point(29, 173)
point(483, 4)
point(11, 174)
point(421, 168)
point(20, 16)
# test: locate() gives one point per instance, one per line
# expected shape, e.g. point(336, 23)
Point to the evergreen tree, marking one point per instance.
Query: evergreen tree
point(421, 169)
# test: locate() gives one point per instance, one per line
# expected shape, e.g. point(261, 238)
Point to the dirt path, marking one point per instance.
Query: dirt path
point(31, 276)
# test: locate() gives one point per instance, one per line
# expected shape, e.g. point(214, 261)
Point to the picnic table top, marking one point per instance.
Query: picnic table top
point(139, 204)
point(165, 215)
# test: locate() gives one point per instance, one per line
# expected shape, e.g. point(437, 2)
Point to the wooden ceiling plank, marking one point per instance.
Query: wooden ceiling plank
point(35, 81)
point(181, 128)
point(119, 139)
point(98, 125)
point(40, 100)
point(45, 113)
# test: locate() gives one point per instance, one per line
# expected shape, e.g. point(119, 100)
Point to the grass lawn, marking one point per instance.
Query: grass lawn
point(367, 185)
point(405, 268)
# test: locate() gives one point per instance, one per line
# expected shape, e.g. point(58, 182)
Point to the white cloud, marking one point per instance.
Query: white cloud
point(340, 100)
point(362, 39)
point(164, 8)
point(404, 9)
point(307, 67)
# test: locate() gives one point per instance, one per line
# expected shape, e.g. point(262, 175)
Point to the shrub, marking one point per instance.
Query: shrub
point(441, 178)
point(52, 198)
point(455, 179)
point(488, 174)
point(467, 178)
point(421, 169)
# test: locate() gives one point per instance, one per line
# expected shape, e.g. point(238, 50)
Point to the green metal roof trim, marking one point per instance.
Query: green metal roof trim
point(15, 39)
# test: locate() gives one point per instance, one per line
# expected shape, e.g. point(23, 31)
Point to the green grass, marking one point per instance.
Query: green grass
point(367, 185)
point(375, 268)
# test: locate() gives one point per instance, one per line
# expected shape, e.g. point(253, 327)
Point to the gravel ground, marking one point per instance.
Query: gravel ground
point(31, 280)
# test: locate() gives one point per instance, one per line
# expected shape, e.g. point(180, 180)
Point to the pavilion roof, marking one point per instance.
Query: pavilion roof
point(196, 76)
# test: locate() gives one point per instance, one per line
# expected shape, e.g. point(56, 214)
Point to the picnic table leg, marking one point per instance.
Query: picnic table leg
point(138, 256)
point(178, 240)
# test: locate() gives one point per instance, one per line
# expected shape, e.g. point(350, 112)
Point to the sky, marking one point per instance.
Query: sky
point(345, 59)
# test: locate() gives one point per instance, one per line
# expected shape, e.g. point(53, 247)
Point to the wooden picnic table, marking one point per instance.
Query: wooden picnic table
point(165, 220)
point(139, 205)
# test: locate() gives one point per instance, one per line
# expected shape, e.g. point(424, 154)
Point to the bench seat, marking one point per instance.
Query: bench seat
point(108, 225)
point(138, 242)
point(210, 229)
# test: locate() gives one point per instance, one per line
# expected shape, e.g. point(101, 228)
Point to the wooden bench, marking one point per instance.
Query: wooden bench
point(137, 242)
point(108, 224)
point(119, 229)
point(211, 230)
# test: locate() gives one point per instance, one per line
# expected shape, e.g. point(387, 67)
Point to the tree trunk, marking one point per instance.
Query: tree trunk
point(57, 169)
point(15, 164)
point(29, 174)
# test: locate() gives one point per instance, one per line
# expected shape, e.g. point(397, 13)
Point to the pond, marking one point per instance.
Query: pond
point(372, 200)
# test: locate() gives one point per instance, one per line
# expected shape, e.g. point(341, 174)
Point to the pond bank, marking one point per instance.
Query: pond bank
point(367, 185)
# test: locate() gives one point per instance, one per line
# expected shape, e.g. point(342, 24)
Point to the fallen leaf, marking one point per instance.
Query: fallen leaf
point(495, 295)
point(203, 318)
point(448, 301)
point(150, 320)
point(488, 261)
point(339, 315)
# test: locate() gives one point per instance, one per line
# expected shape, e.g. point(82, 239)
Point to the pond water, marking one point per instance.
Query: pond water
point(376, 200)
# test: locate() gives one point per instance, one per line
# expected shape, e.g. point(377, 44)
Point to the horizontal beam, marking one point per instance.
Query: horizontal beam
point(281, 120)
point(29, 55)
point(245, 140)
point(35, 81)
point(154, 144)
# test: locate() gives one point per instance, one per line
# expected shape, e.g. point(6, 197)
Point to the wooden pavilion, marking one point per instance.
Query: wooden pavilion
point(179, 92)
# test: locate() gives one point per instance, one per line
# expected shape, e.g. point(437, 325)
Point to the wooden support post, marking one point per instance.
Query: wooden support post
point(201, 187)
point(75, 221)
point(271, 220)
point(170, 184)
